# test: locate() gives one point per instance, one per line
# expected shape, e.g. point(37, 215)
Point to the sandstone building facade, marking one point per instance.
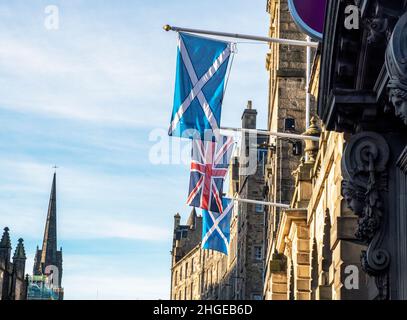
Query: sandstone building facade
point(287, 82)
point(311, 247)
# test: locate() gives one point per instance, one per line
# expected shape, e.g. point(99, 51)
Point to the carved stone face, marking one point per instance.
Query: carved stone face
point(355, 205)
point(400, 107)
point(352, 200)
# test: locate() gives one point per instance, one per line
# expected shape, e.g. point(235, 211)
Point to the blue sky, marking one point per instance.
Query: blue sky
point(92, 97)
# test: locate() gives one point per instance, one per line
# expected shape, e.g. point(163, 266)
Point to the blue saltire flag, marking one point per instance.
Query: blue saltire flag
point(216, 228)
point(199, 86)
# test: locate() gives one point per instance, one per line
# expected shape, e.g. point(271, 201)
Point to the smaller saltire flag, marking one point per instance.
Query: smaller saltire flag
point(216, 228)
point(199, 86)
point(209, 167)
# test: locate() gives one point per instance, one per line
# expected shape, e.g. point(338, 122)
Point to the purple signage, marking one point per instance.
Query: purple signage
point(309, 15)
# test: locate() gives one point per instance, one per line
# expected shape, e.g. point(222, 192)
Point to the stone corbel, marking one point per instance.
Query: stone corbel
point(364, 169)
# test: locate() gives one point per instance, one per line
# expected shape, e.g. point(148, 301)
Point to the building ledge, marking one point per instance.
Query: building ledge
point(288, 217)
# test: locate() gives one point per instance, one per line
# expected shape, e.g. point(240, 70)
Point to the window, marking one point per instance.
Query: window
point(262, 158)
point(192, 265)
point(186, 270)
point(210, 277)
point(192, 291)
point(218, 271)
point(258, 253)
point(259, 208)
point(180, 274)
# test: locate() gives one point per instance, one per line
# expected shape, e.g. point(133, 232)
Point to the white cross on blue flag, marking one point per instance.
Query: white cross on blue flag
point(199, 86)
point(216, 228)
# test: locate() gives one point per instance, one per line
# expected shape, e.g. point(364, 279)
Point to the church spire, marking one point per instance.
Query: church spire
point(48, 259)
point(49, 244)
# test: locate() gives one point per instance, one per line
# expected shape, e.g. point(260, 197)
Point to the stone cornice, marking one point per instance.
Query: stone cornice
point(288, 217)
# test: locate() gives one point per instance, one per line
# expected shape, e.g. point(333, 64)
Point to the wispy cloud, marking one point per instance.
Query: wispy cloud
point(93, 228)
point(117, 287)
point(97, 81)
point(108, 208)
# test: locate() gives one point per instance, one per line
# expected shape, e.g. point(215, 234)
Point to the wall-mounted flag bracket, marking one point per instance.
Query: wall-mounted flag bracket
point(272, 133)
point(244, 36)
point(265, 203)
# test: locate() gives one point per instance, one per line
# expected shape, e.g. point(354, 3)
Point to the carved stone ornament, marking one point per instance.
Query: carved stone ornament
point(364, 185)
point(312, 147)
point(377, 27)
point(396, 64)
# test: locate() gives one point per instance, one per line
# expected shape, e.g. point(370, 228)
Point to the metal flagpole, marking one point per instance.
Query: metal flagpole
point(307, 88)
point(279, 205)
point(307, 92)
point(272, 133)
point(245, 36)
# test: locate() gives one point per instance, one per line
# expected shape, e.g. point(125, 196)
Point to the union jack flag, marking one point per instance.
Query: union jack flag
point(209, 167)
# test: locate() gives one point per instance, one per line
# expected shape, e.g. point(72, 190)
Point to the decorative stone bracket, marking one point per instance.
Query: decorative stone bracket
point(364, 169)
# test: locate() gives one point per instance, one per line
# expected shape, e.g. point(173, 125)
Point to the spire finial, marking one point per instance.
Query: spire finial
point(5, 239)
point(20, 251)
point(192, 219)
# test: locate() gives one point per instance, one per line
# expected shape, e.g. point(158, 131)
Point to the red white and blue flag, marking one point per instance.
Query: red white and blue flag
point(209, 167)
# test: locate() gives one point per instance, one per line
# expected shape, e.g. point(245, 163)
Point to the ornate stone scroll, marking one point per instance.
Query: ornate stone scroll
point(364, 187)
point(396, 64)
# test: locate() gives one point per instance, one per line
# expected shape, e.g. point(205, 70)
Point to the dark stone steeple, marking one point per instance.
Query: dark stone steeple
point(49, 243)
point(49, 255)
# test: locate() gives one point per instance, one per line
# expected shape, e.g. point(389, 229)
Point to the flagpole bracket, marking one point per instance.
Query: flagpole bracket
point(300, 43)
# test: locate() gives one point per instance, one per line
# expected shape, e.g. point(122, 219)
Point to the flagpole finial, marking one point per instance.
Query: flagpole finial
point(167, 27)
